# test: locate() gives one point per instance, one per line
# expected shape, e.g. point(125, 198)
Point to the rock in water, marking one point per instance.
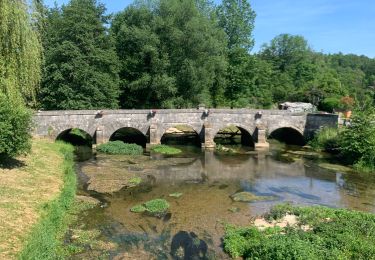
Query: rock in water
point(246, 196)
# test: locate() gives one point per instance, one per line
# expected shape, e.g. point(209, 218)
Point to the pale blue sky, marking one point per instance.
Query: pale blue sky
point(328, 25)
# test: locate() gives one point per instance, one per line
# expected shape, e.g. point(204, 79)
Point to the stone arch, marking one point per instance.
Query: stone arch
point(287, 134)
point(130, 135)
point(75, 136)
point(195, 137)
point(247, 133)
point(111, 127)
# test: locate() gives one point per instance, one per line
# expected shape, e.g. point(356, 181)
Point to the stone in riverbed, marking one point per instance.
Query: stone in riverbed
point(88, 200)
point(246, 196)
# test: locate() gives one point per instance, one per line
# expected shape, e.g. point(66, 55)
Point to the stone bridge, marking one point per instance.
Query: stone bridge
point(258, 124)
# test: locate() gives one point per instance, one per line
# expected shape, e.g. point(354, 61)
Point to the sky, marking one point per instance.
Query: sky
point(330, 26)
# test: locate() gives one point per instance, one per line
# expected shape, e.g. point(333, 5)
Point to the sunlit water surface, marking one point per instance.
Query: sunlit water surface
point(194, 225)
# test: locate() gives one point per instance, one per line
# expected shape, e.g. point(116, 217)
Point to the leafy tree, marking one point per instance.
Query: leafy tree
point(20, 52)
point(172, 55)
point(81, 69)
point(236, 17)
point(145, 81)
point(20, 61)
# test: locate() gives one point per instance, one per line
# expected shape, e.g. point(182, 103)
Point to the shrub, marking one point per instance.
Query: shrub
point(165, 149)
point(335, 234)
point(119, 147)
point(15, 125)
point(326, 139)
point(357, 141)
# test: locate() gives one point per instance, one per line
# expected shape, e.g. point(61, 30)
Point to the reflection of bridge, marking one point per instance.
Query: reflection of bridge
point(255, 124)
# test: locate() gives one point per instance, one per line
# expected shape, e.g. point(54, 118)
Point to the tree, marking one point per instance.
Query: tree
point(171, 54)
point(145, 81)
point(81, 70)
point(20, 52)
point(20, 60)
point(237, 20)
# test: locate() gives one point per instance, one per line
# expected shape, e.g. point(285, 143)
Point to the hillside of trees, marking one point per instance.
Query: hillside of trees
point(181, 53)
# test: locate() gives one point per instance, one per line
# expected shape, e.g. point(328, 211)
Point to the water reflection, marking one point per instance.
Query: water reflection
point(193, 228)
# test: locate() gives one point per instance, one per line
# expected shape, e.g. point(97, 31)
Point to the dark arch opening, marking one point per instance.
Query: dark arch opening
point(76, 137)
point(129, 135)
point(288, 135)
point(234, 135)
point(181, 135)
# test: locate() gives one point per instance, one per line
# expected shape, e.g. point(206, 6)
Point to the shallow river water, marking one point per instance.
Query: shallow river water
point(194, 225)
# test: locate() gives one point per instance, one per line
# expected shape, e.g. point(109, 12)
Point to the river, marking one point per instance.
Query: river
point(194, 225)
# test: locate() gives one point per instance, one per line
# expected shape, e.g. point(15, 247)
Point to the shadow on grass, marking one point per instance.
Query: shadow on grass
point(10, 163)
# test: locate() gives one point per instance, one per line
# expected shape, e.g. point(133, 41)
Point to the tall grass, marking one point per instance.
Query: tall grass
point(326, 139)
point(43, 240)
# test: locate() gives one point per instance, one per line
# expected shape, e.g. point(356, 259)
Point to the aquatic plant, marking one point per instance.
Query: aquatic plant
point(135, 181)
point(165, 149)
point(119, 147)
point(154, 207)
point(138, 209)
point(157, 206)
point(334, 234)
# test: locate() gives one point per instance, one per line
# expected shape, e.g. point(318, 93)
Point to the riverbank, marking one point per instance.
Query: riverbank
point(289, 232)
point(36, 191)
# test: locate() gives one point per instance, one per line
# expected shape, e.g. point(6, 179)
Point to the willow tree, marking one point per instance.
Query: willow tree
point(20, 52)
point(20, 62)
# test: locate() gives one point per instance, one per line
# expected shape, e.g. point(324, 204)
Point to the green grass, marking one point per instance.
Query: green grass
point(119, 147)
point(43, 241)
point(335, 234)
point(165, 149)
point(326, 139)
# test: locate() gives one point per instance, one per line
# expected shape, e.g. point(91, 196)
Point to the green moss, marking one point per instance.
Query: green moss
point(165, 149)
point(119, 147)
point(154, 207)
point(245, 196)
point(334, 234)
point(138, 209)
point(135, 181)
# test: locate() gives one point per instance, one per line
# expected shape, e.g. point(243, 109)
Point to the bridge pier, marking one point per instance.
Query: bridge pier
point(99, 135)
point(154, 136)
point(208, 136)
point(261, 143)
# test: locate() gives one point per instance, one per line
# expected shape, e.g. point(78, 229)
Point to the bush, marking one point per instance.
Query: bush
point(335, 234)
point(15, 126)
point(326, 139)
point(165, 149)
point(119, 147)
point(357, 141)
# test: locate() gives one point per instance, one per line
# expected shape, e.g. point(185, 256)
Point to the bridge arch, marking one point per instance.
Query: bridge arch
point(287, 134)
point(130, 135)
point(112, 127)
point(181, 134)
point(246, 133)
point(75, 136)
